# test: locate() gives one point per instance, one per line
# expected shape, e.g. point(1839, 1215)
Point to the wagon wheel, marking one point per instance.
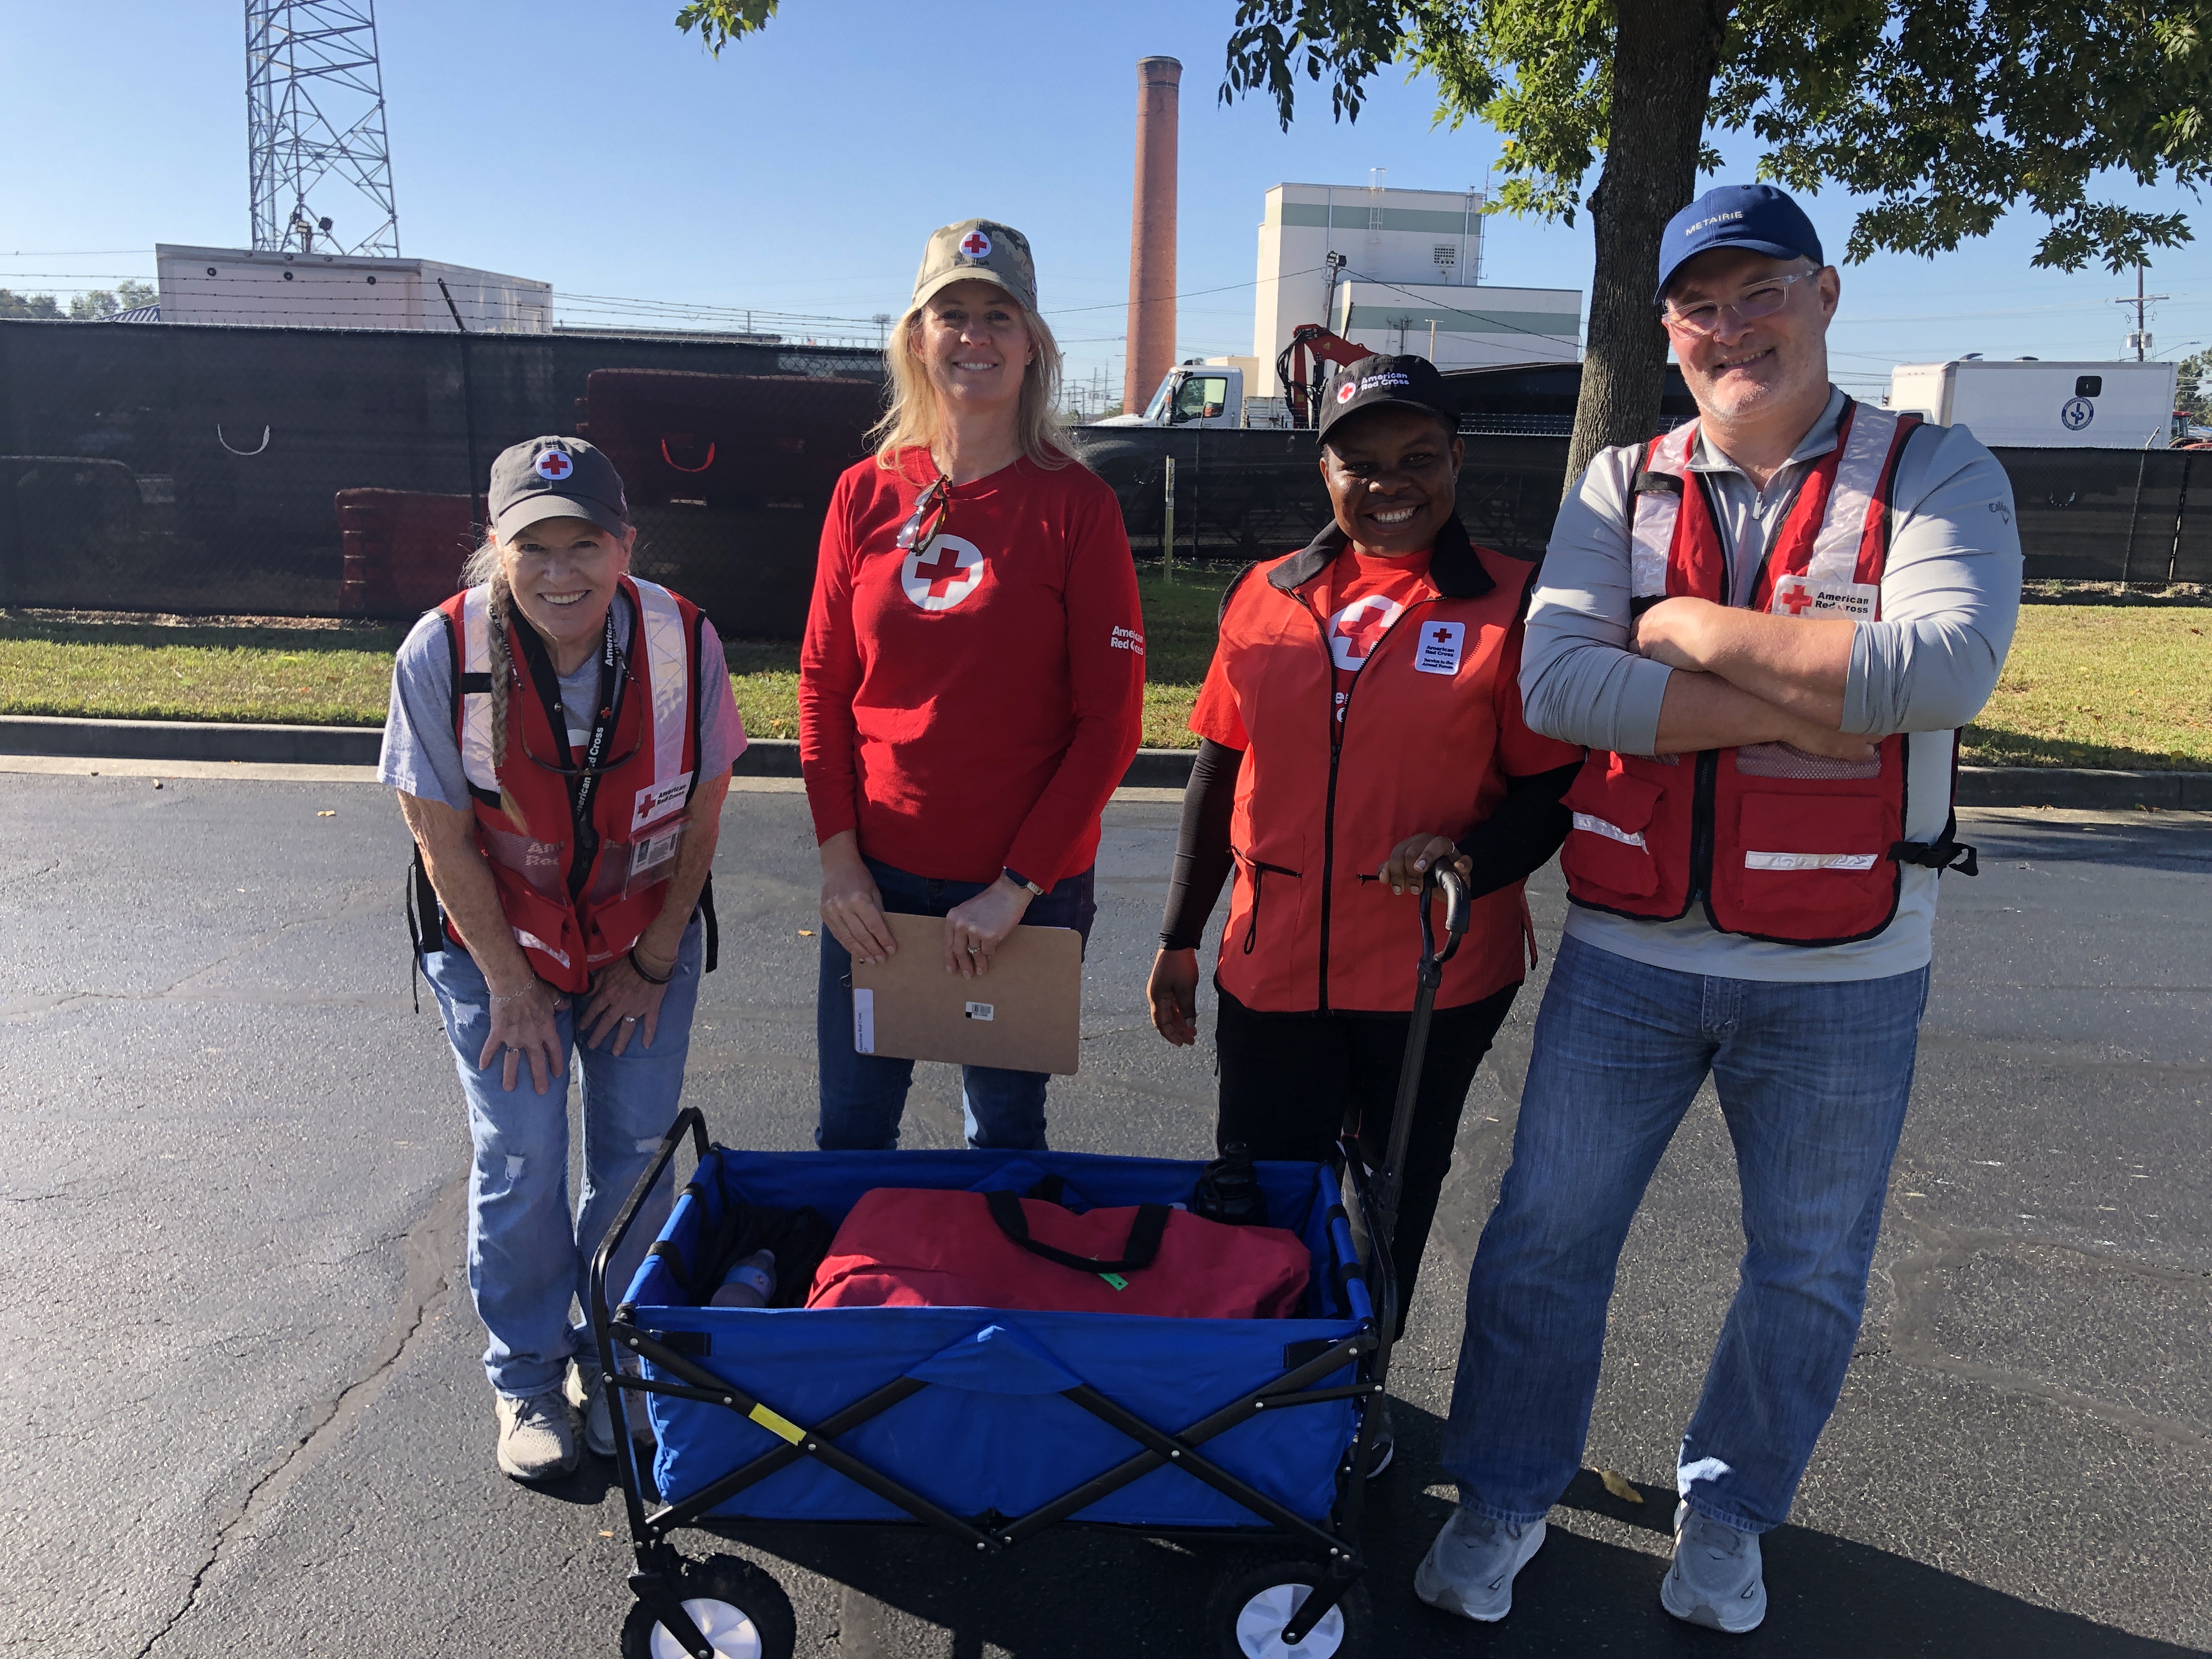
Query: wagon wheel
point(736, 1606)
point(1247, 1614)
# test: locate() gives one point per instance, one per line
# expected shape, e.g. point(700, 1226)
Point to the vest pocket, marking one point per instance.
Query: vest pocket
point(1808, 866)
point(1608, 854)
point(1259, 874)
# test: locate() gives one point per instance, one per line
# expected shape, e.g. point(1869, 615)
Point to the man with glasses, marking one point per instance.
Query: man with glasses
point(1767, 626)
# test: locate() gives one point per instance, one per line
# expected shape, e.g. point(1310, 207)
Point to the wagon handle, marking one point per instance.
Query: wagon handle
point(689, 1119)
point(1428, 975)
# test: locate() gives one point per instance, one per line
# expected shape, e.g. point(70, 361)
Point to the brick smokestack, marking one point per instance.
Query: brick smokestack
point(1151, 343)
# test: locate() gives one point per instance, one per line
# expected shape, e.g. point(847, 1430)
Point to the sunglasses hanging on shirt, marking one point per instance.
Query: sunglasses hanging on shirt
point(937, 495)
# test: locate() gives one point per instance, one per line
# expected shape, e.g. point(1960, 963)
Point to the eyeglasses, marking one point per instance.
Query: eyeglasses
point(1762, 300)
point(933, 505)
point(567, 766)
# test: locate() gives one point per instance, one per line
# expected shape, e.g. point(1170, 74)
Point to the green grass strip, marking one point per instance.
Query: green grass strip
point(2121, 686)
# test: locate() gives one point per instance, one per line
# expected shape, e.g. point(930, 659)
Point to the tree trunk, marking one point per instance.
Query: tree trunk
point(1664, 56)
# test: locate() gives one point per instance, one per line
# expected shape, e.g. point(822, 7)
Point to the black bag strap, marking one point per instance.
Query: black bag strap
point(1144, 1241)
point(1945, 852)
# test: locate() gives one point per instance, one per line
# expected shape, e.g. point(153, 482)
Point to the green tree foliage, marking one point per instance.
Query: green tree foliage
point(1947, 113)
point(2191, 392)
point(128, 295)
point(40, 308)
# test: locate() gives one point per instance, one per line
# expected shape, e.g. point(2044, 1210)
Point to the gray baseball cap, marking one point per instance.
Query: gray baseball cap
point(980, 250)
point(554, 478)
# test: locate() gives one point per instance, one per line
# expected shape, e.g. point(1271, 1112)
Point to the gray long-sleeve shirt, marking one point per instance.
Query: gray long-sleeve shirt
point(1950, 596)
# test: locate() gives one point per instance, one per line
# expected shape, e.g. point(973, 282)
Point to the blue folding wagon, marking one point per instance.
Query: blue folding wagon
point(992, 1425)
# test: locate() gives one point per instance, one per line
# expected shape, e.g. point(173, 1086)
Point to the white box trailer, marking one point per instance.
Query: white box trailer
point(288, 288)
point(2030, 403)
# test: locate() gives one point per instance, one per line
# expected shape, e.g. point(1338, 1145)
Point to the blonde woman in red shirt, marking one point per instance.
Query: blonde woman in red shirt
point(971, 685)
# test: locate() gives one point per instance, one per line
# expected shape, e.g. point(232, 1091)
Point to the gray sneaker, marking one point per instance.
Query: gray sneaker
point(537, 1437)
point(589, 1396)
point(1715, 1580)
point(1469, 1569)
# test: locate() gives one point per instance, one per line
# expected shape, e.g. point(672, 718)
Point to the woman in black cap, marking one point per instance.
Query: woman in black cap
point(560, 737)
point(1361, 719)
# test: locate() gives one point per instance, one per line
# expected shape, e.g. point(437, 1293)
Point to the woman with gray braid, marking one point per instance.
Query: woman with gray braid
point(560, 737)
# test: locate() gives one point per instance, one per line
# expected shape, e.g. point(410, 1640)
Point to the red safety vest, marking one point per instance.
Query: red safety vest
point(1320, 803)
point(1776, 843)
point(577, 896)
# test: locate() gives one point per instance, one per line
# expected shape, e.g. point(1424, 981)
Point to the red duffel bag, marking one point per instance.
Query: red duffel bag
point(903, 1247)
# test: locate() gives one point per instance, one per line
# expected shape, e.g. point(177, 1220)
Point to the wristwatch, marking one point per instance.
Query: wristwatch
point(1021, 880)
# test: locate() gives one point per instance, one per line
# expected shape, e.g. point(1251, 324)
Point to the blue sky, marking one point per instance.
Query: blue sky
point(593, 147)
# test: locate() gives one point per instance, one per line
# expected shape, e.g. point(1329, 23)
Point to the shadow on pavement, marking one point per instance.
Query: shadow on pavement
point(1075, 1594)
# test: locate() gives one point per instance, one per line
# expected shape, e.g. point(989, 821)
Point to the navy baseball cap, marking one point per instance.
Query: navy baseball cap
point(1755, 217)
point(1373, 382)
point(555, 478)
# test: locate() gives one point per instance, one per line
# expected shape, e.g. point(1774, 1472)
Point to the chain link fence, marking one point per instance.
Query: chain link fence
point(325, 472)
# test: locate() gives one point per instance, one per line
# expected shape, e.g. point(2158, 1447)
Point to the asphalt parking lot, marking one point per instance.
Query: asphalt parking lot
point(247, 1413)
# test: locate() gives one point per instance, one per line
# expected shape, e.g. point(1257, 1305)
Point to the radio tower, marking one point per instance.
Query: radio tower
point(314, 120)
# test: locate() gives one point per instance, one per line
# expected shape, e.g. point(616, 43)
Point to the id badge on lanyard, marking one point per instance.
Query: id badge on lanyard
point(653, 859)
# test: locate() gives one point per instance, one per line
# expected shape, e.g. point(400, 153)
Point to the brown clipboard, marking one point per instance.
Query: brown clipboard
point(1026, 1015)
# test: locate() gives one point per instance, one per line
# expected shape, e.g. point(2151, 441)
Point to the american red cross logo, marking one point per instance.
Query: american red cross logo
point(1354, 630)
point(1798, 598)
point(1442, 636)
point(554, 465)
point(941, 572)
point(975, 245)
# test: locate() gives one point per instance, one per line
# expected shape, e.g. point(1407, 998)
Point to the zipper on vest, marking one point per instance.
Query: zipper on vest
point(1336, 726)
point(1701, 827)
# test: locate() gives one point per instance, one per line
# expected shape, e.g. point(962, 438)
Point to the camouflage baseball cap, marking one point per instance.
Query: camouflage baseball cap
point(980, 249)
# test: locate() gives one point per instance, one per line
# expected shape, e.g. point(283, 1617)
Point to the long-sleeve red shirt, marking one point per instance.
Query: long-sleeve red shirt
point(971, 705)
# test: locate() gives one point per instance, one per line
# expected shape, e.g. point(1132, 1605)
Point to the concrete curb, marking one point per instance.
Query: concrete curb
point(778, 757)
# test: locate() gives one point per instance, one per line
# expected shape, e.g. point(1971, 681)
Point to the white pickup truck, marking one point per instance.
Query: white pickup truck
point(1206, 395)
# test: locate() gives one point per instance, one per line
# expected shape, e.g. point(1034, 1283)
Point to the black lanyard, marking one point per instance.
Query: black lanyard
point(582, 780)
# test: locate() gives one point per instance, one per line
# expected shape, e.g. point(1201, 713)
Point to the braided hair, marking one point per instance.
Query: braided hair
point(483, 567)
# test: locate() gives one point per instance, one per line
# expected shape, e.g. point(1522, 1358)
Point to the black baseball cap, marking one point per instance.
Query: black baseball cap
point(1387, 382)
point(1755, 217)
point(554, 478)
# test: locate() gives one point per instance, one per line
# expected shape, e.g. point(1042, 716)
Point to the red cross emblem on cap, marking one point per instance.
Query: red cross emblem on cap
point(1344, 392)
point(552, 463)
point(975, 245)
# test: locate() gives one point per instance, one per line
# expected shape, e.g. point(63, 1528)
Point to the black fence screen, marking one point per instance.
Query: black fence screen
point(324, 472)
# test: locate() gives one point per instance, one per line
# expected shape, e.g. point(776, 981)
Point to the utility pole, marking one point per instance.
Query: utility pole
point(2140, 340)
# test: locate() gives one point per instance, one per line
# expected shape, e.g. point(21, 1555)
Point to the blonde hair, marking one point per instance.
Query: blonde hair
point(914, 419)
point(483, 567)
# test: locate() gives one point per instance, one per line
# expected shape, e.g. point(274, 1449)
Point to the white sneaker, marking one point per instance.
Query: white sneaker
point(1715, 1580)
point(537, 1437)
point(1469, 1569)
point(588, 1395)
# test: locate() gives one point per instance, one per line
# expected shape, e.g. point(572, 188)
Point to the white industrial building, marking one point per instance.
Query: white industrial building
point(342, 290)
point(1410, 282)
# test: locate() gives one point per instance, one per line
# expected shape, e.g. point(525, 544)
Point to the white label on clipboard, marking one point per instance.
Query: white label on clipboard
point(982, 1010)
point(863, 1021)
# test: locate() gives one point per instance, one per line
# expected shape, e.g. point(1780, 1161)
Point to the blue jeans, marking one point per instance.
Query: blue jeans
point(1813, 1081)
point(528, 1258)
point(864, 1096)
